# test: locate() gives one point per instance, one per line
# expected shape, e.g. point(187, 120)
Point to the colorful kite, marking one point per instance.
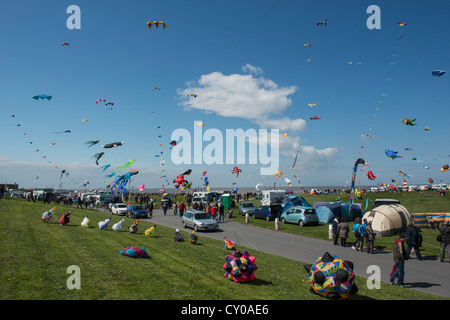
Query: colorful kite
point(134, 227)
point(438, 73)
point(65, 44)
point(103, 225)
point(134, 252)
point(409, 122)
point(355, 169)
point(229, 244)
point(370, 175)
point(445, 167)
point(240, 267)
point(324, 22)
point(126, 165)
point(48, 215)
point(331, 277)
point(86, 222)
point(149, 232)
point(314, 118)
point(236, 170)
point(401, 24)
point(156, 23)
point(392, 154)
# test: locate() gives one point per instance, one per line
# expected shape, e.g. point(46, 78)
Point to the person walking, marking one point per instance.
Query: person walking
point(400, 256)
point(356, 224)
point(370, 237)
point(413, 240)
point(334, 227)
point(181, 207)
point(221, 211)
point(175, 209)
point(164, 205)
point(361, 230)
point(343, 231)
point(444, 230)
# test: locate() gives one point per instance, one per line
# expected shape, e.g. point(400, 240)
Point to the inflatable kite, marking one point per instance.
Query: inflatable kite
point(149, 232)
point(103, 225)
point(430, 180)
point(106, 166)
point(65, 219)
point(178, 237)
point(259, 187)
point(134, 252)
point(229, 244)
point(392, 154)
point(355, 169)
point(314, 118)
point(193, 238)
point(48, 215)
point(156, 23)
point(445, 167)
point(370, 175)
point(179, 181)
point(240, 267)
point(409, 122)
point(126, 165)
point(279, 174)
point(113, 145)
point(97, 157)
point(86, 222)
point(401, 24)
point(141, 187)
point(118, 226)
point(187, 172)
point(331, 277)
point(134, 227)
point(324, 22)
point(65, 44)
point(236, 170)
point(42, 97)
point(438, 73)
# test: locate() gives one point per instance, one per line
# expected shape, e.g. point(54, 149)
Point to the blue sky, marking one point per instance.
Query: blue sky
point(247, 62)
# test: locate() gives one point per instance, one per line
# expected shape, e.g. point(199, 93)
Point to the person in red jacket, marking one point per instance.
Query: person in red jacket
point(213, 212)
point(181, 208)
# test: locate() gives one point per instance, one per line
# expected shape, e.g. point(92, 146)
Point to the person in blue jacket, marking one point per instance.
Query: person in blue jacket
point(361, 230)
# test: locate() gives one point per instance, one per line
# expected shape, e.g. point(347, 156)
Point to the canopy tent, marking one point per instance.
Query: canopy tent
point(327, 211)
point(388, 220)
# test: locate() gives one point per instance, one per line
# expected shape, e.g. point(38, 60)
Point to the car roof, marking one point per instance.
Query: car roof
point(195, 211)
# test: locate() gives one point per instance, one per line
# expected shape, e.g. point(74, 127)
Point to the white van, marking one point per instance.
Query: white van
point(272, 196)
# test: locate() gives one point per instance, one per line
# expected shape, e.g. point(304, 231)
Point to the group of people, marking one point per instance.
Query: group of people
point(361, 229)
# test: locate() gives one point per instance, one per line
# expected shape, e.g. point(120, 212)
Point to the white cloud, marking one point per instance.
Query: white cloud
point(249, 96)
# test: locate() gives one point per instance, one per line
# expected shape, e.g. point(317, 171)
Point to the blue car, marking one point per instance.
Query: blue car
point(267, 212)
point(136, 211)
point(300, 215)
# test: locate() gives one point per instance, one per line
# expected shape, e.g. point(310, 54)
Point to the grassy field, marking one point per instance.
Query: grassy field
point(35, 257)
point(414, 202)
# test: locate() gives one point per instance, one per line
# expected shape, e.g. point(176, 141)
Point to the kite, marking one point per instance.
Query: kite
point(288, 181)
point(86, 222)
point(141, 187)
point(409, 122)
point(179, 181)
point(42, 97)
point(324, 22)
point(62, 172)
point(84, 120)
point(65, 44)
point(67, 131)
point(392, 154)
point(65, 219)
point(193, 237)
point(105, 167)
point(103, 225)
point(134, 227)
point(156, 23)
point(104, 100)
point(229, 244)
point(113, 145)
point(48, 215)
point(156, 88)
point(430, 180)
point(149, 232)
point(259, 187)
point(173, 143)
point(292, 169)
point(200, 124)
point(236, 170)
point(355, 169)
point(401, 24)
point(97, 156)
point(307, 45)
point(312, 104)
point(134, 252)
point(438, 73)
point(331, 277)
point(204, 173)
point(427, 129)
point(370, 175)
point(186, 186)
point(240, 267)
point(278, 174)
point(192, 95)
point(402, 173)
point(91, 143)
point(314, 118)
point(110, 175)
point(187, 172)
point(285, 135)
point(126, 164)
point(118, 226)
point(178, 237)
point(445, 167)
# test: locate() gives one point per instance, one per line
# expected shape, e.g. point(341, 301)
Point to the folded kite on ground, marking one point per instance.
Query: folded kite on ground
point(178, 237)
point(331, 277)
point(149, 232)
point(65, 219)
point(118, 226)
point(134, 252)
point(240, 267)
point(48, 215)
point(193, 238)
point(86, 222)
point(229, 244)
point(102, 225)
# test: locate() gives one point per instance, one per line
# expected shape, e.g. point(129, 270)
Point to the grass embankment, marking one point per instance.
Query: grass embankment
point(35, 257)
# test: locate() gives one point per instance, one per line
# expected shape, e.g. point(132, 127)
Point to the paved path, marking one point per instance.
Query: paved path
point(429, 275)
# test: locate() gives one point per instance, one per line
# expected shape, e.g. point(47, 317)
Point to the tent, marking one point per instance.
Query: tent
point(388, 220)
point(326, 211)
point(293, 200)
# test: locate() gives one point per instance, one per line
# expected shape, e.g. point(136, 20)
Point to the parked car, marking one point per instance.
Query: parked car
point(246, 207)
point(120, 209)
point(300, 215)
point(267, 212)
point(198, 220)
point(136, 211)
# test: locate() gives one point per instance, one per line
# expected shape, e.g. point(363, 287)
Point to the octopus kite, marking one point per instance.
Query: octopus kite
point(97, 156)
point(236, 170)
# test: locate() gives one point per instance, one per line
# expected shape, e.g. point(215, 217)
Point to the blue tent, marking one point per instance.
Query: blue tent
point(294, 201)
point(326, 211)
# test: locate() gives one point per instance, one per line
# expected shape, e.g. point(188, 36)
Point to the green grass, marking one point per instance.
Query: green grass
point(414, 202)
point(35, 257)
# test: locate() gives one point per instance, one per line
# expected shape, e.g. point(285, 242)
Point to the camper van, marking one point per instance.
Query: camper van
point(201, 194)
point(105, 199)
point(270, 197)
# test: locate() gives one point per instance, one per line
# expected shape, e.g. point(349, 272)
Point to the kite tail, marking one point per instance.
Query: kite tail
point(298, 179)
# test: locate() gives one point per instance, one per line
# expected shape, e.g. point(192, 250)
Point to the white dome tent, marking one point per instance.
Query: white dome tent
point(388, 220)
